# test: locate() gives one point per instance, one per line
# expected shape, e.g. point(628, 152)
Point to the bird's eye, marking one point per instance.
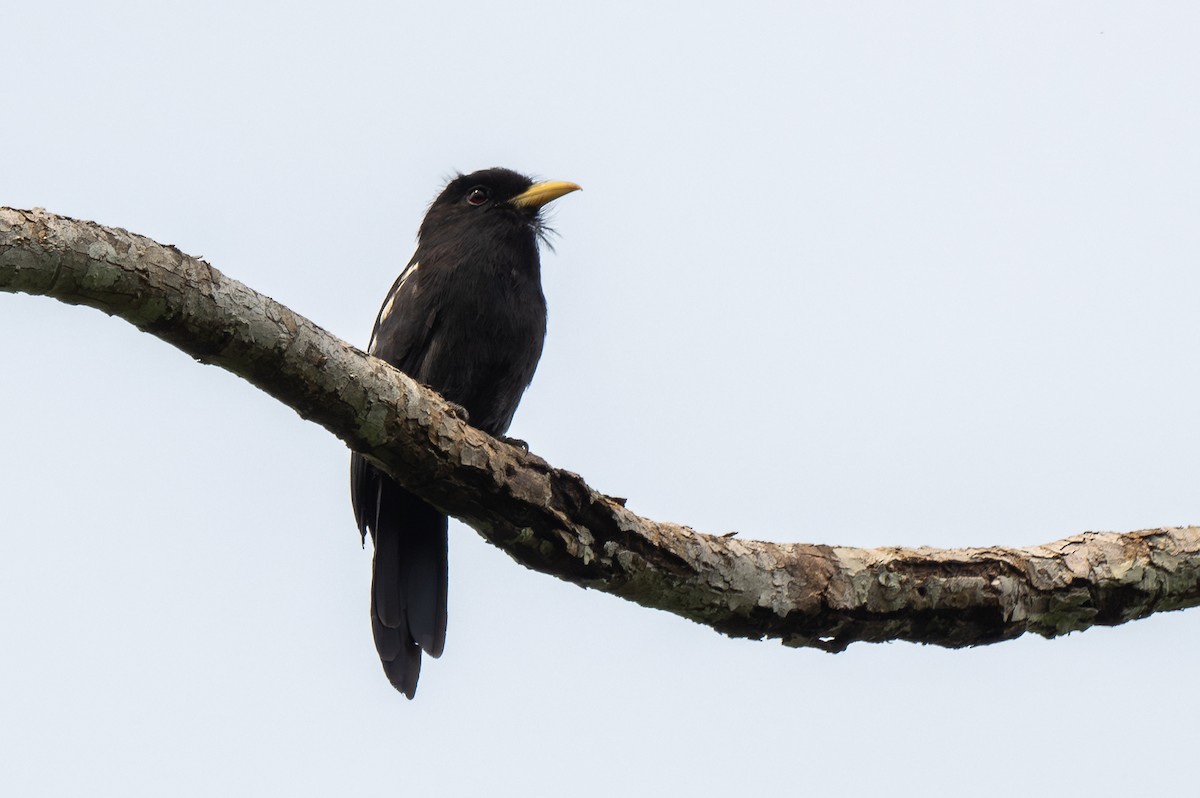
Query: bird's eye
point(478, 196)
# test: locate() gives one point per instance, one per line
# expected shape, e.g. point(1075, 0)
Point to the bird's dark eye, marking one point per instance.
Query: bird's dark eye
point(478, 196)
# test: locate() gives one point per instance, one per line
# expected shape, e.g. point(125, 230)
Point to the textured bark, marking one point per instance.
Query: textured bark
point(550, 520)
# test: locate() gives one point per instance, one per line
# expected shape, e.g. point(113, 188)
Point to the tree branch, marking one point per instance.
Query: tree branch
point(550, 520)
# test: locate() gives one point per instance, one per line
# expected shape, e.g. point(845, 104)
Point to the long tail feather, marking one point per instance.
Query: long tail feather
point(408, 586)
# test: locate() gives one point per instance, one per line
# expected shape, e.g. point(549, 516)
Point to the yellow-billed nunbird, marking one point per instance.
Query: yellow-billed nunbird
point(467, 318)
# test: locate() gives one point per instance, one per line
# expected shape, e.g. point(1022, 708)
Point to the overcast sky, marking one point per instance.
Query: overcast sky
point(875, 273)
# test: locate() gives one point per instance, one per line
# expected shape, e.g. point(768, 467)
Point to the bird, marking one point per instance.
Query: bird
point(466, 317)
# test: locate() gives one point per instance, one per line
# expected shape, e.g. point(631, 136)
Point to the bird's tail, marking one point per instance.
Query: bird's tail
point(408, 584)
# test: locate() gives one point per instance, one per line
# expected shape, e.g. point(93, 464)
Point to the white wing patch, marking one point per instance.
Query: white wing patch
point(388, 303)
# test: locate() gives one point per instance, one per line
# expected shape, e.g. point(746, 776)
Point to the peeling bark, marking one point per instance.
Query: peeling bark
point(551, 521)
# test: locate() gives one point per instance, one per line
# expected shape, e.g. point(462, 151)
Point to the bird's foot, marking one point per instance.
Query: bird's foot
point(459, 412)
point(520, 444)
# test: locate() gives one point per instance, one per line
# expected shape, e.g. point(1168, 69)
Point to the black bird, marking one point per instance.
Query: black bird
point(467, 318)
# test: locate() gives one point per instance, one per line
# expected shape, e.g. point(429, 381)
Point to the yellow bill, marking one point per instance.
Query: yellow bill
point(539, 194)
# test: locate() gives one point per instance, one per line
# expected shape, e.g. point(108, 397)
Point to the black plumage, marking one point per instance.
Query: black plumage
point(466, 317)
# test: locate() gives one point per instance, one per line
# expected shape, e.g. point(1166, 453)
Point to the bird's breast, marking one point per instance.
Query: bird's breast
point(485, 343)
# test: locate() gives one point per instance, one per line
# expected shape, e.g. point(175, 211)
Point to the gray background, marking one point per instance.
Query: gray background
point(871, 273)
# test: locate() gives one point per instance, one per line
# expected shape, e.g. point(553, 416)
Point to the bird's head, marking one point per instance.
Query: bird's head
point(497, 200)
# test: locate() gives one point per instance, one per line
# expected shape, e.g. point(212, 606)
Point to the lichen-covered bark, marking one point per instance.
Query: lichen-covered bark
point(550, 520)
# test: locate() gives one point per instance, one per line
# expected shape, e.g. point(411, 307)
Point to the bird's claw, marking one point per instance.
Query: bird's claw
point(459, 412)
point(520, 444)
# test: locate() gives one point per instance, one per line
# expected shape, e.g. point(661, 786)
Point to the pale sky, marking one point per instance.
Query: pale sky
point(876, 273)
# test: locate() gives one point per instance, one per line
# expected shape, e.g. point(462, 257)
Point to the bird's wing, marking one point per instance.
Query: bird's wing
point(403, 344)
point(389, 302)
point(400, 337)
point(364, 493)
point(364, 478)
